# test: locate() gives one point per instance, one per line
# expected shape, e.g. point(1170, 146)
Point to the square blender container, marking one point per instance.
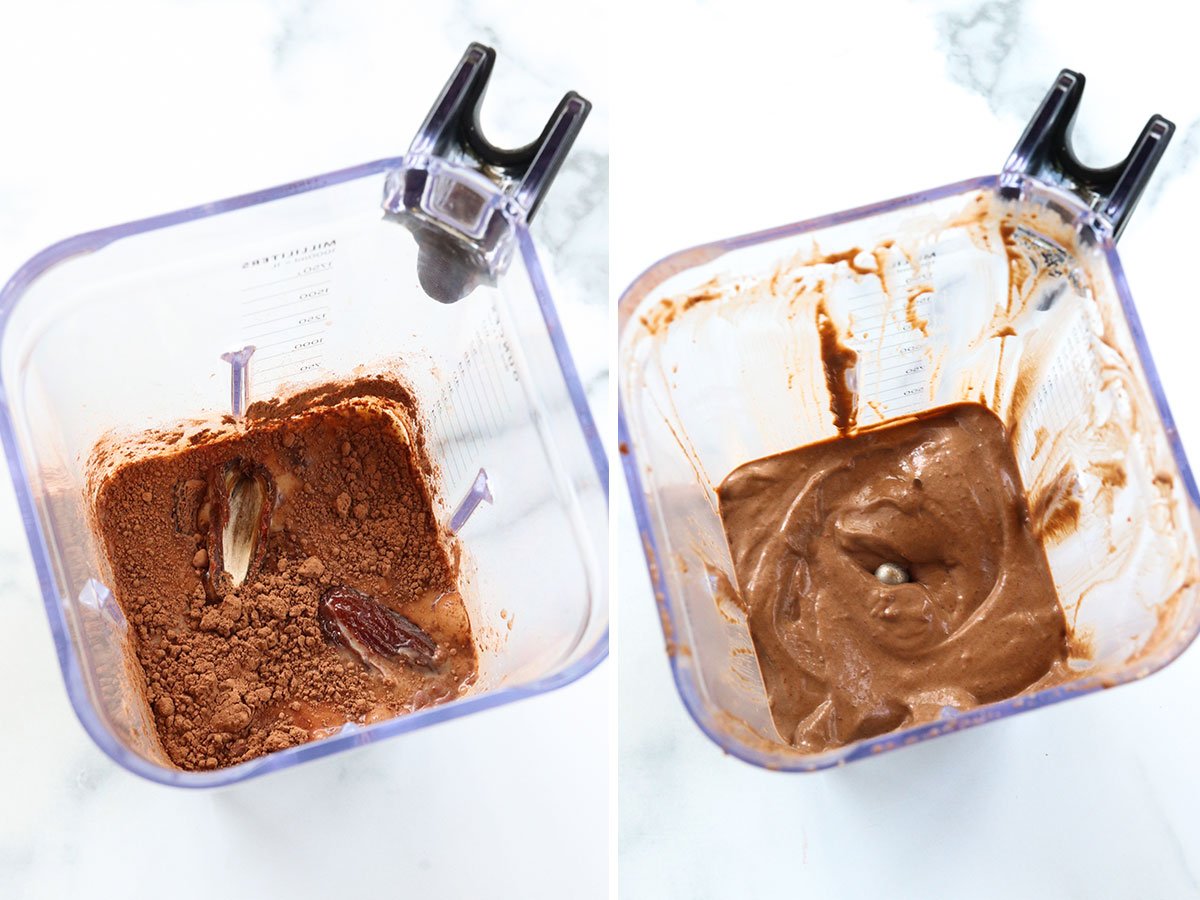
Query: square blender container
point(1003, 290)
point(196, 313)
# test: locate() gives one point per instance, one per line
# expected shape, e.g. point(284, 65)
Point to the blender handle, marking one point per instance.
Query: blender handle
point(452, 130)
point(1044, 153)
point(460, 195)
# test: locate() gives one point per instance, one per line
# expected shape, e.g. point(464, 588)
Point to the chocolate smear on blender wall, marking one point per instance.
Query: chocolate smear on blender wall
point(839, 362)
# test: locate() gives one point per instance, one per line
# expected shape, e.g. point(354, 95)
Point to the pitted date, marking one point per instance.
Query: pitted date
point(374, 633)
point(236, 518)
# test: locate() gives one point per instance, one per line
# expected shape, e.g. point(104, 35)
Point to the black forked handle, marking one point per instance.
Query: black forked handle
point(453, 126)
point(1044, 152)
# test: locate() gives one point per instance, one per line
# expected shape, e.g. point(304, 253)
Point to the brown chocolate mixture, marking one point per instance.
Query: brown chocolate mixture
point(891, 573)
point(839, 362)
point(285, 575)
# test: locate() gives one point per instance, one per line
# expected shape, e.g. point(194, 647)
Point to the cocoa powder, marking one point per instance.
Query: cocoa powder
point(248, 671)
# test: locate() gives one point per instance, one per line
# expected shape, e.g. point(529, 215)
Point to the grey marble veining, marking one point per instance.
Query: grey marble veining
point(1168, 835)
point(295, 27)
point(996, 49)
point(979, 40)
point(574, 216)
point(1180, 159)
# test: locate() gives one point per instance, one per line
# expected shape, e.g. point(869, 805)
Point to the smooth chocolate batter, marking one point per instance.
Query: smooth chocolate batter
point(845, 655)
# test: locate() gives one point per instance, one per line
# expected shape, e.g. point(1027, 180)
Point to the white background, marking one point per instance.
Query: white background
point(734, 116)
point(115, 111)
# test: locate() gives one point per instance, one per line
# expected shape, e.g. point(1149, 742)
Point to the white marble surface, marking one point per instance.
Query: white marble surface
point(114, 111)
point(734, 116)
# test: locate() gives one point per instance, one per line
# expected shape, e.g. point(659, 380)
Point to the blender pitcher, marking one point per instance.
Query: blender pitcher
point(1003, 290)
point(197, 313)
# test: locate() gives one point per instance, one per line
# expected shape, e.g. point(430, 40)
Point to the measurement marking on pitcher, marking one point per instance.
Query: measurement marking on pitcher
point(291, 290)
point(495, 397)
point(477, 404)
point(892, 365)
point(910, 367)
point(302, 317)
point(295, 303)
point(501, 394)
point(298, 362)
point(278, 355)
point(298, 342)
point(264, 284)
point(460, 445)
point(287, 308)
point(267, 309)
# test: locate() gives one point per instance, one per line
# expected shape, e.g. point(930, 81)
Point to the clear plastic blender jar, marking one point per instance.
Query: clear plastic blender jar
point(1003, 290)
point(195, 313)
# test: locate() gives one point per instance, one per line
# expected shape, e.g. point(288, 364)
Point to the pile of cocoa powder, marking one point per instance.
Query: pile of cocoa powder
point(250, 671)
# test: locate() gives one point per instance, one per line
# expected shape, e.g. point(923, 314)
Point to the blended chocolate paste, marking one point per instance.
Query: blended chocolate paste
point(283, 575)
point(821, 535)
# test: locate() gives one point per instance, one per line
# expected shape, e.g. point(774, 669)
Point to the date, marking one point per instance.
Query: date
point(236, 518)
point(374, 633)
